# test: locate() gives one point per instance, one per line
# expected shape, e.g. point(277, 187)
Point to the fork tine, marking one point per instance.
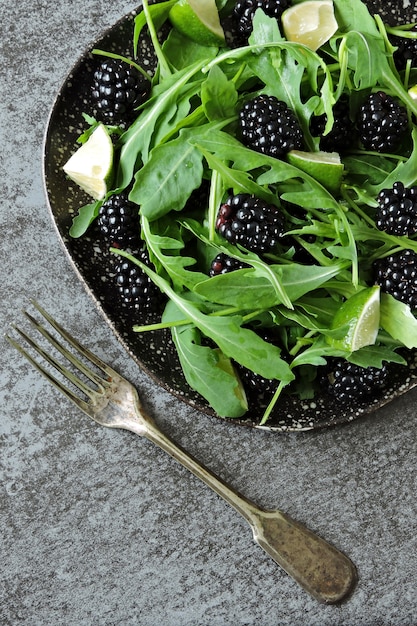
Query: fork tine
point(95, 378)
point(82, 386)
point(79, 402)
point(73, 342)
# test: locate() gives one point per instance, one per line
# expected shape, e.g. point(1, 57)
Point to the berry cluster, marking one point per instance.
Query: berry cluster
point(118, 221)
point(343, 132)
point(269, 126)
point(244, 11)
point(117, 90)
point(406, 51)
point(397, 275)
point(251, 222)
point(382, 122)
point(346, 381)
point(223, 264)
point(397, 210)
point(136, 289)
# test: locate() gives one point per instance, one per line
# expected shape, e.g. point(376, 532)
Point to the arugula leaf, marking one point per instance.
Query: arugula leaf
point(398, 321)
point(247, 289)
point(85, 217)
point(207, 370)
point(164, 243)
point(238, 343)
point(374, 356)
point(218, 95)
point(135, 143)
point(159, 14)
point(300, 189)
point(166, 181)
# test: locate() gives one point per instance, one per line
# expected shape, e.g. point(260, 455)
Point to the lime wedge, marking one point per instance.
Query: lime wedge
point(360, 314)
point(91, 167)
point(198, 20)
point(325, 167)
point(413, 92)
point(311, 23)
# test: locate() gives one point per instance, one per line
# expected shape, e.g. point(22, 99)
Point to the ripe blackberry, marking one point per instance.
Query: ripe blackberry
point(223, 264)
point(136, 289)
point(251, 222)
point(259, 390)
point(406, 51)
point(381, 122)
point(342, 135)
point(397, 210)
point(397, 275)
point(269, 126)
point(348, 382)
point(117, 90)
point(244, 11)
point(118, 221)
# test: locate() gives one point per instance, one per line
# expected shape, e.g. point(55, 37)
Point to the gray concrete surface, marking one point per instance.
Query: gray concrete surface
point(99, 527)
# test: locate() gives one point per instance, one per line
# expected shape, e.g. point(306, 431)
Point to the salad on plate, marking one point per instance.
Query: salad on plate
point(258, 192)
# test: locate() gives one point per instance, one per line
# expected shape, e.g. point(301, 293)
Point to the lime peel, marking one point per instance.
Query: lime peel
point(91, 166)
point(360, 314)
point(325, 167)
point(199, 21)
point(412, 92)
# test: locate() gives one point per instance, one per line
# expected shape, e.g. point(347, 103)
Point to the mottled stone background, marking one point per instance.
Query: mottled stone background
point(99, 527)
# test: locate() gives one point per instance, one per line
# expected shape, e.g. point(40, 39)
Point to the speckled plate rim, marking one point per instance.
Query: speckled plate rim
point(299, 416)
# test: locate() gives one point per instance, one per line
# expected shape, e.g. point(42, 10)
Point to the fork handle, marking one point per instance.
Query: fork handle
point(322, 570)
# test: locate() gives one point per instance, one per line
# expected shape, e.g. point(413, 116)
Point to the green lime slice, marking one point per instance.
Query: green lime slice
point(413, 92)
point(360, 314)
point(325, 167)
point(199, 21)
point(311, 23)
point(91, 166)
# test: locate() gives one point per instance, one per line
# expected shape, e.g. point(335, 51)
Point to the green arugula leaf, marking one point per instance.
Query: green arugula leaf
point(218, 95)
point(207, 370)
point(135, 143)
point(166, 181)
point(159, 14)
point(85, 217)
point(375, 356)
point(247, 289)
point(165, 243)
point(240, 344)
point(398, 321)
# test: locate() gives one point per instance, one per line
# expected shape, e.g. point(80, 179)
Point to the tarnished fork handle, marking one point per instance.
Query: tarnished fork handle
point(320, 568)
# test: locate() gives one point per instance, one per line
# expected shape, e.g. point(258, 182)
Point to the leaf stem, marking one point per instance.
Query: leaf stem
point(163, 63)
point(112, 55)
point(272, 403)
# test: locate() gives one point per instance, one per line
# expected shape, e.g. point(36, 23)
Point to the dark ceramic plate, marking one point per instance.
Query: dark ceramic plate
point(153, 351)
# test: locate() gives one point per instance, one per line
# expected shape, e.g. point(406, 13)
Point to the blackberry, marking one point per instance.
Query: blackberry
point(342, 135)
point(397, 210)
point(348, 382)
point(259, 390)
point(118, 221)
point(251, 222)
point(244, 11)
point(397, 275)
point(381, 122)
point(406, 51)
point(136, 289)
point(223, 264)
point(269, 126)
point(117, 90)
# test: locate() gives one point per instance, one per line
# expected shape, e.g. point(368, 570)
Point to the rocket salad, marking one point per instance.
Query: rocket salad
point(187, 136)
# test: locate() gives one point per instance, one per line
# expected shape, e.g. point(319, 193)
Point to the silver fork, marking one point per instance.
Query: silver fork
point(321, 569)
